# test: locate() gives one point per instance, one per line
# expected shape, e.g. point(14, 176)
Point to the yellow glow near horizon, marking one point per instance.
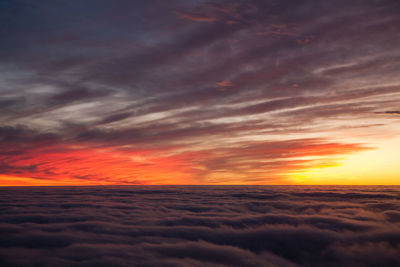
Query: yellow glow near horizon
point(380, 166)
point(10, 180)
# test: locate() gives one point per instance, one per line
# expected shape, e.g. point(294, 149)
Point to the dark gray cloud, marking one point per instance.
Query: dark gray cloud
point(395, 112)
point(202, 225)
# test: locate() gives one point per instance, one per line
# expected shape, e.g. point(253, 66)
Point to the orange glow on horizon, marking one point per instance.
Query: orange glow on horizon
point(310, 163)
point(65, 166)
point(371, 167)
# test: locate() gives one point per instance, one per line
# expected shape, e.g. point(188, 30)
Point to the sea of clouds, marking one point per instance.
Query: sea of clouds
point(200, 226)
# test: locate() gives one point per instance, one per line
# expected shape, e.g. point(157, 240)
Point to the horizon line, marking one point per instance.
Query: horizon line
point(108, 185)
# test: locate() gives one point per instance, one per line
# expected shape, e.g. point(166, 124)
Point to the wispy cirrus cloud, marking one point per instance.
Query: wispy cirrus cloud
point(195, 17)
point(132, 157)
point(198, 77)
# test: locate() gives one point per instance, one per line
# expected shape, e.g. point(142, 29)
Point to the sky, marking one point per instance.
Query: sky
point(97, 92)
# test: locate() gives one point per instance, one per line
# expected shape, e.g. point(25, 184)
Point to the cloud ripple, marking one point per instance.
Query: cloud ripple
point(200, 226)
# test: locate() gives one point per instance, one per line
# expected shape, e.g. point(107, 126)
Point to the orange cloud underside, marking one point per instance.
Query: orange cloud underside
point(88, 166)
point(266, 163)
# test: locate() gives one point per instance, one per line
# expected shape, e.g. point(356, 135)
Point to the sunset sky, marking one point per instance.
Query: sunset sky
point(99, 92)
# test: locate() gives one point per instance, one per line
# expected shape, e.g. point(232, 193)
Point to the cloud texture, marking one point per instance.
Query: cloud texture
point(243, 91)
point(200, 226)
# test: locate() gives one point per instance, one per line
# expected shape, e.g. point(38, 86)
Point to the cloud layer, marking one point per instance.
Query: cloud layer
point(198, 226)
